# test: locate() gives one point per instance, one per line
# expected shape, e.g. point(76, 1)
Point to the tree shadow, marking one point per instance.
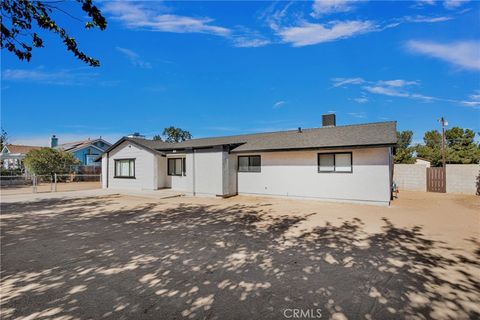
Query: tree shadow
point(97, 258)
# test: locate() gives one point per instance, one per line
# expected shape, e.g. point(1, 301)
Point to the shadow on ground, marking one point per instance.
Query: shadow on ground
point(79, 258)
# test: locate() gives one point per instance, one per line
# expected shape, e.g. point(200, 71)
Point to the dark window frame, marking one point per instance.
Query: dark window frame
point(249, 164)
point(116, 161)
point(183, 169)
point(334, 164)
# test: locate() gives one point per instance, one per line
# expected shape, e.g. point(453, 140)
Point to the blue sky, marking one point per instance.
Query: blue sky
point(223, 68)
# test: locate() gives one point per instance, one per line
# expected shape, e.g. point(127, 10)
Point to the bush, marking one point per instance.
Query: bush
point(47, 161)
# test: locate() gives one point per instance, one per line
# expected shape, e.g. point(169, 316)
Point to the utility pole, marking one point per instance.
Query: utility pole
point(444, 123)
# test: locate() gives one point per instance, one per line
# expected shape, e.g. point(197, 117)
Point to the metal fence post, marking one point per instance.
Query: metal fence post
point(55, 179)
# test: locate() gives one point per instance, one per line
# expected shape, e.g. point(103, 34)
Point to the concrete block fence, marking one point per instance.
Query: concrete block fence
point(460, 178)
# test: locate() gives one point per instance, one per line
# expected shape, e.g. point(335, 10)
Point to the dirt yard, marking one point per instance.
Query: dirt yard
point(49, 187)
point(129, 257)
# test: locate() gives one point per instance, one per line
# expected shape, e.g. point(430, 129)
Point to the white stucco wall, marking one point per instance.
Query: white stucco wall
point(104, 171)
point(179, 183)
point(146, 168)
point(209, 178)
point(232, 175)
point(162, 172)
point(295, 174)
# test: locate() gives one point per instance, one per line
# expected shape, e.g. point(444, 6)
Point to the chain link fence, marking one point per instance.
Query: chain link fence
point(22, 184)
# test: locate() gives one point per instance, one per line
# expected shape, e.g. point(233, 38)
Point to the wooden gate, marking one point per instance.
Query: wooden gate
point(436, 180)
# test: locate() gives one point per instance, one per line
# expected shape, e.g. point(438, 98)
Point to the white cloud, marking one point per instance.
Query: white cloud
point(424, 2)
point(419, 19)
point(139, 16)
point(242, 42)
point(397, 83)
point(453, 4)
point(361, 100)
point(388, 91)
point(340, 82)
point(323, 7)
point(134, 58)
point(399, 88)
point(465, 54)
point(360, 115)
point(278, 104)
point(312, 33)
point(473, 100)
point(59, 77)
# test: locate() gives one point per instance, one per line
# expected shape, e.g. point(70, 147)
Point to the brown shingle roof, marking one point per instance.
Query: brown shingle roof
point(17, 148)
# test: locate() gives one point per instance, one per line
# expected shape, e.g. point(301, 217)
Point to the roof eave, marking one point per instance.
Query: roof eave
point(119, 142)
point(382, 145)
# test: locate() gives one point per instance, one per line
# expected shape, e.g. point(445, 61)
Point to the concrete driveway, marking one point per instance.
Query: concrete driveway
point(128, 257)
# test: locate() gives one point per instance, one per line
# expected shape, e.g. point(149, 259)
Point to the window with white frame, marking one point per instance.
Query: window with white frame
point(125, 168)
point(176, 167)
point(335, 162)
point(249, 164)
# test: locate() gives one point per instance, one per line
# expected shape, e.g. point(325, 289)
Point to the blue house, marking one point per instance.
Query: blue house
point(86, 151)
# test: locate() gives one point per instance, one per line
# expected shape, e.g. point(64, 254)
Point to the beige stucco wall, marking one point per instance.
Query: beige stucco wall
point(462, 178)
point(411, 177)
point(295, 174)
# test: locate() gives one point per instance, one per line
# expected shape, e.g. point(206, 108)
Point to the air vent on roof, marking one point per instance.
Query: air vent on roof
point(328, 120)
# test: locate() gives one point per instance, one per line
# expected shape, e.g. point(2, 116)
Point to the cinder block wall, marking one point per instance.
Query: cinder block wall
point(410, 177)
point(462, 178)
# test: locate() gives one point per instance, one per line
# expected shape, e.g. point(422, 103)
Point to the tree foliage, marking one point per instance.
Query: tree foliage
point(432, 149)
point(404, 152)
point(18, 24)
point(49, 161)
point(157, 137)
point(173, 134)
point(3, 138)
point(433, 139)
point(460, 147)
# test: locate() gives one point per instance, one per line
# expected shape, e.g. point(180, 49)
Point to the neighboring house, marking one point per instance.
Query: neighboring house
point(13, 154)
point(86, 151)
point(425, 162)
point(341, 163)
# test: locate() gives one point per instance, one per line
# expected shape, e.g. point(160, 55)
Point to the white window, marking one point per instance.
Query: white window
point(335, 162)
point(125, 168)
point(176, 167)
point(249, 164)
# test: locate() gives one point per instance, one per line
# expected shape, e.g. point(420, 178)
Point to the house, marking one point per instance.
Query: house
point(86, 151)
point(12, 155)
point(351, 163)
point(422, 161)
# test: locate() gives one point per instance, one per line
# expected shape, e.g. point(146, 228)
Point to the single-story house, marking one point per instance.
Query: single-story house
point(351, 163)
point(12, 155)
point(86, 151)
point(422, 161)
